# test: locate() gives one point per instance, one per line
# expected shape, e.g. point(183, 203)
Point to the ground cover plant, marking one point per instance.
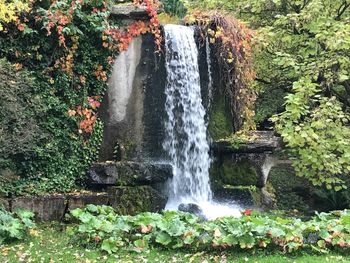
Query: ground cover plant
point(101, 227)
point(50, 243)
point(15, 226)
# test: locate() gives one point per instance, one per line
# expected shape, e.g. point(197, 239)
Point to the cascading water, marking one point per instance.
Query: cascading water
point(186, 133)
point(210, 78)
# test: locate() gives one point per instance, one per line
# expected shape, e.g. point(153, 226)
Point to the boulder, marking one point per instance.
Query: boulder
point(192, 209)
point(127, 173)
point(131, 200)
point(51, 207)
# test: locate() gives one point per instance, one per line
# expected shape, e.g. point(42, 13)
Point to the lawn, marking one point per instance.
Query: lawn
point(50, 243)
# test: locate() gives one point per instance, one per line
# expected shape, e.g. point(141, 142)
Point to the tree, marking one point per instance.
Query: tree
point(302, 50)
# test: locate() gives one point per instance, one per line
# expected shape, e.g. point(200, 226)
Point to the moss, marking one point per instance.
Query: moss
point(134, 200)
point(291, 192)
point(232, 172)
point(220, 123)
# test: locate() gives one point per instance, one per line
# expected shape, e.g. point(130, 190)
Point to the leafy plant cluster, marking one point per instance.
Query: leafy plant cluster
point(67, 49)
point(319, 135)
point(15, 226)
point(101, 227)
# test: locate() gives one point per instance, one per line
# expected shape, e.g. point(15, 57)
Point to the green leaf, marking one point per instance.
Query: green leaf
point(163, 238)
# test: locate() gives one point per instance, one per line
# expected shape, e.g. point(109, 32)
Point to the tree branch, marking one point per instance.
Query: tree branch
point(345, 5)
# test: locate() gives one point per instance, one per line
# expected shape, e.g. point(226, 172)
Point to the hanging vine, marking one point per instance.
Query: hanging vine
point(231, 40)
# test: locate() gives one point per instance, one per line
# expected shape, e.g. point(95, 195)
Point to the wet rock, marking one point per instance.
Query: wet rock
point(268, 200)
point(80, 200)
point(128, 200)
point(241, 195)
point(45, 207)
point(129, 173)
point(192, 209)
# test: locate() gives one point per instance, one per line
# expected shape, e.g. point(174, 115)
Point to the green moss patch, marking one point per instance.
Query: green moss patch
point(233, 172)
point(220, 123)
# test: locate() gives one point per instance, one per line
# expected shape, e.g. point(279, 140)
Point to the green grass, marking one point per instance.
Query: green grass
point(51, 244)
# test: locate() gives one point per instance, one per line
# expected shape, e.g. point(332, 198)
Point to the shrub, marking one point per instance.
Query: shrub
point(15, 226)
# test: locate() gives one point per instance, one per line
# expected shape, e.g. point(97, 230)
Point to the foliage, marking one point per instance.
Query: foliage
point(69, 48)
point(231, 40)
point(15, 226)
point(303, 44)
point(49, 243)
point(21, 109)
point(10, 9)
point(174, 8)
point(317, 135)
point(100, 226)
point(332, 200)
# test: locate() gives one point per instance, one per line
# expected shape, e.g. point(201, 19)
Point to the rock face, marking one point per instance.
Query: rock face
point(44, 207)
point(259, 142)
point(130, 11)
point(130, 200)
point(82, 199)
point(246, 164)
point(133, 107)
point(127, 173)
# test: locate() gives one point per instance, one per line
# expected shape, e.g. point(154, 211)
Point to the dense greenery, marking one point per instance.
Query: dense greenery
point(67, 63)
point(15, 226)
point(61, 54)
point(50, 242)
point(100, 226)
point(302, 49)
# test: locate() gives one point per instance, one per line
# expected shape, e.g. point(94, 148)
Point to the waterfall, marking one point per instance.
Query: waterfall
point(186, 141)
point(186, 133)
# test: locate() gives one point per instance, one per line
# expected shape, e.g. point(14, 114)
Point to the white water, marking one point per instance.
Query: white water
point(210, 78)
point(186, 139)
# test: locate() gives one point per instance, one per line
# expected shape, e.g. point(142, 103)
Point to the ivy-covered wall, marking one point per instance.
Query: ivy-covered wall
point(64, 51)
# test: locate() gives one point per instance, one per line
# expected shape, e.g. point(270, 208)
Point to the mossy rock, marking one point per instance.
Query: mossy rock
point(292, 192)
point(132, 200)
point(233, 172)
point(220, 122)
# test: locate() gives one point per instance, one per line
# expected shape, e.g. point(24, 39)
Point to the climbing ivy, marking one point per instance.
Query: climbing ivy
point(231, 41)
point(68, 48)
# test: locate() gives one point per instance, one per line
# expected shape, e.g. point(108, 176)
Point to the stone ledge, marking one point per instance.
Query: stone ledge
point(127, 10)
point(130, 11)
point(126, 173)
point(126, 200)
point(258, 142)
point(51, 207)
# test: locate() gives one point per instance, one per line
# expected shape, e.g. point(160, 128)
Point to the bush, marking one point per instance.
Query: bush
point(101, 227)
point(15, 226)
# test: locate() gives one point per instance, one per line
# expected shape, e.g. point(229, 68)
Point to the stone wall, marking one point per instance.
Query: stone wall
point(124, 199)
